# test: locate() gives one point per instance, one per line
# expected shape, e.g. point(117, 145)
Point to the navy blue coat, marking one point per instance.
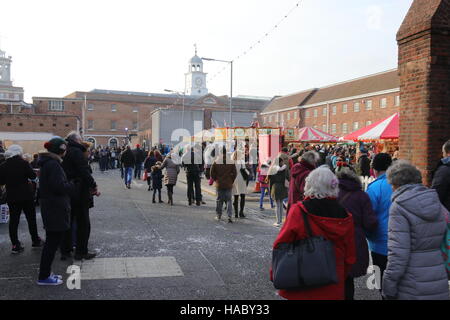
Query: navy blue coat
point(157, 177)
point(55, 192)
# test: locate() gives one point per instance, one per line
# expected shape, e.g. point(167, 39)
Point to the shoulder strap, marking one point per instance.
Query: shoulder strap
point(305, 219)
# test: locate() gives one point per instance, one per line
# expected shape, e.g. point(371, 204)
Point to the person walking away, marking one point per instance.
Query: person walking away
point(171, 176)
point(364, 164)
point(55, 206)
point(150, 161)
point(139, 156)
point(192, 161)
point(441, 177)
point(240, 184)
point(357, 202)
point(380, 192)
point(278, 177)
point(157, 177)
point(113, 158)
point(103, 160)
point(298, 176)
point(16, 174)
point(223, 172)
point(327, 218)
point(77, 171)
point(417, 225)
point(262, 179)
point(128, 161)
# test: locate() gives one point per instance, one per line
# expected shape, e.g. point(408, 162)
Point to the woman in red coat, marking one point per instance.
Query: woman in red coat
point(327, 218)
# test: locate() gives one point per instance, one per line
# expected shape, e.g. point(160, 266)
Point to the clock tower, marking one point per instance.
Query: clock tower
point(195, 77)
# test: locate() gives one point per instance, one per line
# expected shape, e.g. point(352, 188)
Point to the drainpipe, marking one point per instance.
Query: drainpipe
point(328, 118)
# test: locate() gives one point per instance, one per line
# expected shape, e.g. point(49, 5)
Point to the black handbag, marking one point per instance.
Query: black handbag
point(304, 264)
point(244, 174)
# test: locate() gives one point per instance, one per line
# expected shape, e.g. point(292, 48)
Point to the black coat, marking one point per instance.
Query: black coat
point(128, 160)
point(139, 155)
point(149, 163)
point(15, 173)
point(55, 192)
point(157, 177)
point(441, 182)
point(77, 170)
point(364, 165)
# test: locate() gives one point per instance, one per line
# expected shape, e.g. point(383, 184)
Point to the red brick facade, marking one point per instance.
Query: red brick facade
point(424, 68)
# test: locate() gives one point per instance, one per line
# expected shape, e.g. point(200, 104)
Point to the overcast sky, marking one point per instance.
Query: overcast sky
point(61, 46)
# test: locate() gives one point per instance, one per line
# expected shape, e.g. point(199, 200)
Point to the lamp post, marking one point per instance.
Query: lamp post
point(231, 84)
point(127, 137)
point(184, 95)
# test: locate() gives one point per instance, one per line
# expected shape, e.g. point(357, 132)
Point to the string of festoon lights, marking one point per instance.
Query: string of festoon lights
point(258, 42)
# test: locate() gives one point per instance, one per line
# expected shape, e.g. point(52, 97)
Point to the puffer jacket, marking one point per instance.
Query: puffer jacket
point(441, 182)
point(172, 171)
point(224, 173)
point(415, 268)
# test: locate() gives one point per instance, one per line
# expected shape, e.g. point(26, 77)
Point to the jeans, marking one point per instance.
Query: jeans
point(236, 204)
point(263, 194)
point(279, 211)
point(159, 194)
point(15, 210)
point(380, 261)
point(137, 170)
point(193, 182)
point(103, 163)
point(223, 195)
point(52, 242)
point(128, 175)
point(81, 221)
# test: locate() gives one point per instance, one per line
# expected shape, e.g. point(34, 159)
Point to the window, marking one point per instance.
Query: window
point(383, 103)
point(344, 128)
point(368, 123)
point(334, 110)
point(282, 117)
point(355, 126)
point(295, 115)
point(135, 109)
point(316, 126)
point(113, 108)
point(324, 112)
point(2, 95)
point(397, 101)
point(356, 107)
point(307, 114)
point(368, 104)
point(288, 116)
point(90, 107)
point(90, 124)
point(135, 125)
point(113, 125)
point(56, 105)
point(324, 127)
point(344, 108)
point(315, 113)
point(333, 128)
point(16, 96)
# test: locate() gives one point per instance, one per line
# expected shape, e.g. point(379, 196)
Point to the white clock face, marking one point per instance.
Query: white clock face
point(198, 81)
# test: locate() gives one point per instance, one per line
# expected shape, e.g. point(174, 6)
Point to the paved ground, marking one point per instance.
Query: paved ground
point(154, 251)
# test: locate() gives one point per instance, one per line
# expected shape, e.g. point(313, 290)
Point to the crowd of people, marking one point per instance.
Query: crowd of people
point(397, 223)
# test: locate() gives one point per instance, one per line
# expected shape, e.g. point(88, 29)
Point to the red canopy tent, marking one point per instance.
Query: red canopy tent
point(384, 129)
point(308, 134)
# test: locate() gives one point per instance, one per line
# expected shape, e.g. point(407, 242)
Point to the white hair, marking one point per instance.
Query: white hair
point(322, 183)
point(74, 136)
point(13, 150)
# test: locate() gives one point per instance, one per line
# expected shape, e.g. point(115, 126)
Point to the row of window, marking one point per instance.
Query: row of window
point(14, 96)
point(91, 107)
point(356, 107)
point(90, 125)
point(345, 127)
point(40, 124)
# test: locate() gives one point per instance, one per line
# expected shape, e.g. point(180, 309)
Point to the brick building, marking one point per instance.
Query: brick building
point(340, 108)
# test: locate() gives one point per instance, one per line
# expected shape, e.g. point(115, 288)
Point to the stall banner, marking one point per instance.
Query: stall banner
point(239, 133)
point(269, 147)
point(290, 134)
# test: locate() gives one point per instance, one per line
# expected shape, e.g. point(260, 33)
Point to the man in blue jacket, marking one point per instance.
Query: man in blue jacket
point(380, 192)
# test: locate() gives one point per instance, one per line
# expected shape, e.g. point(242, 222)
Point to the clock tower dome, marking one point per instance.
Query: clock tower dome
point(195, 77)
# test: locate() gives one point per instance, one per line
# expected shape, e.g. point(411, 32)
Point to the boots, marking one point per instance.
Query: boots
point(170, 195)
point(160, 200)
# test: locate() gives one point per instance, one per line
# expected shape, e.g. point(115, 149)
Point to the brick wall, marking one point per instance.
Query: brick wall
point(57, 125)
point(424, 68)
